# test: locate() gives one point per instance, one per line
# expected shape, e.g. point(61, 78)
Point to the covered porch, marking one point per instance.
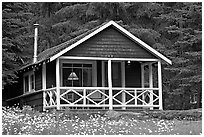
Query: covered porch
point(104, 83)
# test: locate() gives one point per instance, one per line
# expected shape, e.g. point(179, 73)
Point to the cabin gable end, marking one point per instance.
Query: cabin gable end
point(110, 43)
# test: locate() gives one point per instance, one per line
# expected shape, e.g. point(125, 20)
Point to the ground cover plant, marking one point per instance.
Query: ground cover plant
point(30, 122)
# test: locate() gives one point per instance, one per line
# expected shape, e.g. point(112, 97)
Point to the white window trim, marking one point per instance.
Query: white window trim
point(29, 74)
point(94, 69)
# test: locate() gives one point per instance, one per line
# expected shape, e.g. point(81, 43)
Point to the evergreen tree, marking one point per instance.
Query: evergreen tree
point(184, 31)
point(15, 38)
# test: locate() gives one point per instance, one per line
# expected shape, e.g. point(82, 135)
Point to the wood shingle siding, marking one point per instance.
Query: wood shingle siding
point(108, 35)
point(35, 101)
point(110, 43)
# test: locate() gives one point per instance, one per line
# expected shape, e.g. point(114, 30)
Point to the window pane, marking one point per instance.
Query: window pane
point(87, 65)
point(78, 82)
point(67, 65)
point(32, 82)
point(77, 65)
point(77, 76)
point(87, 77)
point(65, 74)
point(26, 84)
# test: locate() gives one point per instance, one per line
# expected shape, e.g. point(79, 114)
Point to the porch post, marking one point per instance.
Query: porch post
point(151, 84)
point(142, 80)
point(123, 82)
point(110, 85)
point(103, 79)
point(44, 82)
point(84, 97)
point(58, 83)
point(160, 85)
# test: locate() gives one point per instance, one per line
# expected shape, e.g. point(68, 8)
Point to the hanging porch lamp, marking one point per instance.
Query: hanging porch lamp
point(73, 76)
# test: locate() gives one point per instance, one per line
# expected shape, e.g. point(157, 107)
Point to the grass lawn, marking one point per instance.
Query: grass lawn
point(29, 122)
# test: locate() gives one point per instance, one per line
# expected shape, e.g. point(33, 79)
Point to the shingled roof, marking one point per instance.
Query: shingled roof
point(49, 53)
point(46, 54)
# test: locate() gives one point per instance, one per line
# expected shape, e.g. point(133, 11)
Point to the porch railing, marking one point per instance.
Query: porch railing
point(86, 97)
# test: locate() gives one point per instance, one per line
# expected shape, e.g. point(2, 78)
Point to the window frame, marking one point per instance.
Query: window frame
point(79, 71)
point(30, 82)
point(94, 69)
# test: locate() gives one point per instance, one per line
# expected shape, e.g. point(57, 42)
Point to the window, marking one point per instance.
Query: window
point(32, 82)
point(29, 82)
point(26, 83)
point(193, 99)
point(76, 75)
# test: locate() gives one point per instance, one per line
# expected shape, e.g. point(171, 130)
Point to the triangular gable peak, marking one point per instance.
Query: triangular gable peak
point(141, 45)
point(110, 43)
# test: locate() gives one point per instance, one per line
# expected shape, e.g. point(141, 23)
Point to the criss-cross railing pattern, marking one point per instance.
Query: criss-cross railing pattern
point(136, 97)
point(50, 97)
point(83, 97)
point(101, 94)
point(68, 96)
point(100, 97)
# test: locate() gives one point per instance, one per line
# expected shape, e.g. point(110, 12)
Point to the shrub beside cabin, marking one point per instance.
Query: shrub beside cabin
point(104, 68)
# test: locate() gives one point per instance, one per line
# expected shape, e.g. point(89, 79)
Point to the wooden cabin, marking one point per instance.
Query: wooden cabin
point(104, 68)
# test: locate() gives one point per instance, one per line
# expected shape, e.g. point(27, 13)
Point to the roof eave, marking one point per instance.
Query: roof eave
point(81, 40)
point(33, 65)
point(147, 47)
point(156, 53)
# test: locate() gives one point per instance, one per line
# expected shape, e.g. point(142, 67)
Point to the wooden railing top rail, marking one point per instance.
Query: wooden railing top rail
point(121, 88)
point(49, 89)
point(106, 88)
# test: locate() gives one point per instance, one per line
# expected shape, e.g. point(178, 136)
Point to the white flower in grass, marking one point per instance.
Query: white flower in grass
point(150, 131)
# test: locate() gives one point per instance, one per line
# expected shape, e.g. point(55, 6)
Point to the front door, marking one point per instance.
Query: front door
point(116, 74)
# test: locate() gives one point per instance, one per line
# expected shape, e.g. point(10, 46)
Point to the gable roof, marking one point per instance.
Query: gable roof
point(55, 52)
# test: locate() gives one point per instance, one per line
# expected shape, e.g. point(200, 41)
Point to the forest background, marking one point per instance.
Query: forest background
point(172, 28)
